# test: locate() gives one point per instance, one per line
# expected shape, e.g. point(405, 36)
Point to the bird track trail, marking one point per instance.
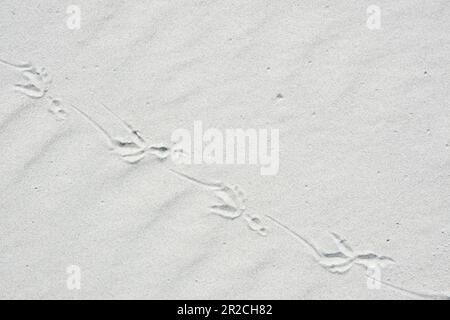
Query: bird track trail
point(131, 150)
point(231, 199)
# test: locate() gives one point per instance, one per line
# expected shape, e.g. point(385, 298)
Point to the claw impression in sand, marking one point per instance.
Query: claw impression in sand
point(56, 109)
point(231, 202)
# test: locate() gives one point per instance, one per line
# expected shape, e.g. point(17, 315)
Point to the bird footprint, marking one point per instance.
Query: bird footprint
point(131, 149)
point(231, 202)
point(37, 79)
point(37, 84)
point(342, 260)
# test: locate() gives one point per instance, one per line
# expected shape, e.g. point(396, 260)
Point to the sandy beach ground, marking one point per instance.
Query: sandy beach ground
point(360, 205)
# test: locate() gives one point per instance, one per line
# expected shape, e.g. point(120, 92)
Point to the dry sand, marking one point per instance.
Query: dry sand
point(364, 122)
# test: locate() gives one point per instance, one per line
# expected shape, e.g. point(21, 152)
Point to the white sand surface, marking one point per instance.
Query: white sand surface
point(364, 123)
